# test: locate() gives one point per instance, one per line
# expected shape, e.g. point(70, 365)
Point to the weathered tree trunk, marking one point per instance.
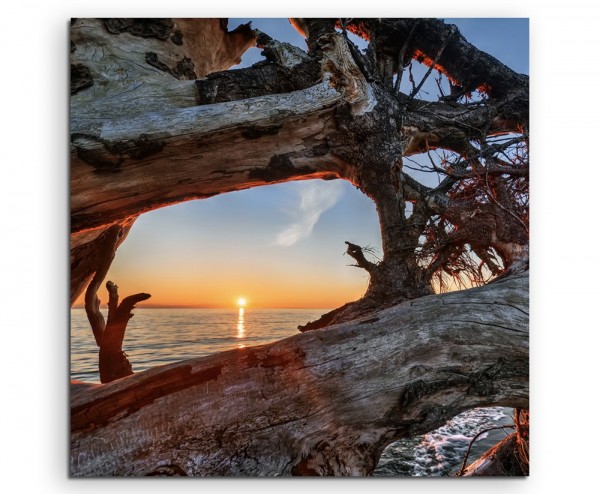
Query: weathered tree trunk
point(498, 461)
point(508, 458)
point(325, 402)
point(153, 123)
point(144, 135)
point(89, 251)
point(505, 459)
point(121, 68)
point(109, 334)
point(112, 360)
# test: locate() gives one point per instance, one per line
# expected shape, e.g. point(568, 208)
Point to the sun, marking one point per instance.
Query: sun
point(241, 302)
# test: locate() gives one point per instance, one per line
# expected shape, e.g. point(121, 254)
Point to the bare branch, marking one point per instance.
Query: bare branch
point(113, 298)
point(450, 35)
point(92, 302)
point(402, 54)
point(113, 362)
point(464, 465)
point(356, 252)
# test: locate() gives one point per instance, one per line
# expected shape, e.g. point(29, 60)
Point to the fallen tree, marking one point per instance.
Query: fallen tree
point(324, 402)
point(157, 119)
point(145, 135)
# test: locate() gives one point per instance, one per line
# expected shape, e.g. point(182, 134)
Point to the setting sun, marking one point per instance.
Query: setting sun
point(241, 302)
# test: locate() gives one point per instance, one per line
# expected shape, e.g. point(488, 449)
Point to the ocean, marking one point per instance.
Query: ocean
point(161, 336)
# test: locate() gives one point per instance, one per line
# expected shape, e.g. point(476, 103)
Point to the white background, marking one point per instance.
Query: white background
point(34, 243)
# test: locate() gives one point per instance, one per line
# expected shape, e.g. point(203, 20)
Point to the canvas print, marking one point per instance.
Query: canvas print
point(299, 247)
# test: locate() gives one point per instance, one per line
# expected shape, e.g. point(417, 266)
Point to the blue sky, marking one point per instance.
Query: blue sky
point(283, 239)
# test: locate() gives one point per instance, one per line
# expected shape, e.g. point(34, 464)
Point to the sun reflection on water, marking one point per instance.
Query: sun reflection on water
point(241, 331)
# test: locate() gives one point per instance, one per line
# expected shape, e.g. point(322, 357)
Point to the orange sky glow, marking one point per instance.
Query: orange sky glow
point(260, 290)
point(277, 247)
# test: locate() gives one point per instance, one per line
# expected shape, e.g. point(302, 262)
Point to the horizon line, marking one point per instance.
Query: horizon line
point(168, 306)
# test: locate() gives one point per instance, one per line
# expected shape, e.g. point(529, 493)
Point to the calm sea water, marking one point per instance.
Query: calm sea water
point(160, 336)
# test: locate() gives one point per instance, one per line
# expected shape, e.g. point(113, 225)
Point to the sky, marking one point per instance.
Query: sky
point(279, 246)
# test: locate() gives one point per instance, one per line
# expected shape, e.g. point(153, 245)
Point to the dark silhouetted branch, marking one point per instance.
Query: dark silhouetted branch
point(356, 252)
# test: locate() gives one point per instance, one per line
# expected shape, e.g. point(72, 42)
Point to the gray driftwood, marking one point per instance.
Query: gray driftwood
point(157, 119)
point(324, 402)
point(154, 123)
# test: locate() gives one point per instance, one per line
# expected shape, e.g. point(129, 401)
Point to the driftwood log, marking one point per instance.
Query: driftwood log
point(156, 119)
point(325, 402)
point(158, 125)
point(131, 68)
point(109, 334)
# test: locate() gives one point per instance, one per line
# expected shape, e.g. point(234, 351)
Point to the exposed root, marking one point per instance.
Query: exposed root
point(464, 465)
point(522, 425)
point(509, 458)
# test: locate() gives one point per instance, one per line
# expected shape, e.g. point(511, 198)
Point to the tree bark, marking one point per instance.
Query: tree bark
point(112, 76)
point(325, 402)
point(501, 460)
point(144, 135)
point(113, 363)
point(112, 360)
point(154, 122)
point(88, 251)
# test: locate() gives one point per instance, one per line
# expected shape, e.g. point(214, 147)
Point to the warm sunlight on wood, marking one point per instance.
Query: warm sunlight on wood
point(241, 302)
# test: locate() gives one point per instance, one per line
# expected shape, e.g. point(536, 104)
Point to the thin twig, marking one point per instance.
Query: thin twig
point(435, 61)
point(506, 210)
point(464, 465)
point(412, 81)
point(438, 81)
point(356, 252)
point(401, 55)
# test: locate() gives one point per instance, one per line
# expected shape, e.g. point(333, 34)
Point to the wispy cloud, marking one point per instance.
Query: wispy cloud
point(315, 199)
